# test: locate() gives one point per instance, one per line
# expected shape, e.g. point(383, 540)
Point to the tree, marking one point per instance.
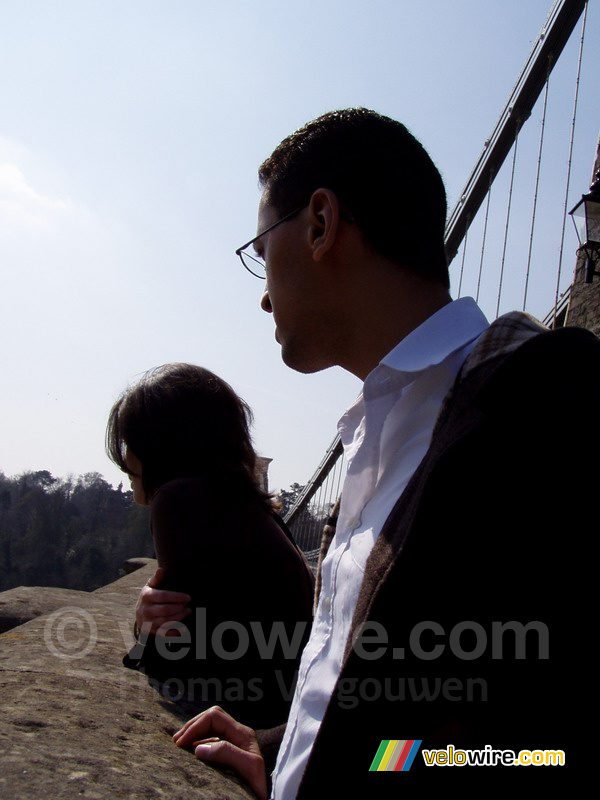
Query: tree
point(288, 497)
point(73, 533)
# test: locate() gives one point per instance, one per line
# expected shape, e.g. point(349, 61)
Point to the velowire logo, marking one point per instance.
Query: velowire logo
point(395, 755)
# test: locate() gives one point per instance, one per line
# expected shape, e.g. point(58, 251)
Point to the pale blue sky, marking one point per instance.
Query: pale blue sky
point(130, 134)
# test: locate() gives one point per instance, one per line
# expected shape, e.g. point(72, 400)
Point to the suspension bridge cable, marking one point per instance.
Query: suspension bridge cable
point(537, 179)
point(570, 161)
point(483, 241)
point(464, 253)
point(508, 207)
point(339, 477)
point(323, 494)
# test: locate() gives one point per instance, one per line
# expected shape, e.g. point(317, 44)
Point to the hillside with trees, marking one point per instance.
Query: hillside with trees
point(73, 532)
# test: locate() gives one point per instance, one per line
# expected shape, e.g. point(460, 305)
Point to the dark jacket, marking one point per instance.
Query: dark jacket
point(251, 589)
point(490, 529)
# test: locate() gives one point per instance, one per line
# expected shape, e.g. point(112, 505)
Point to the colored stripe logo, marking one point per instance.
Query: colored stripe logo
point(395, 755)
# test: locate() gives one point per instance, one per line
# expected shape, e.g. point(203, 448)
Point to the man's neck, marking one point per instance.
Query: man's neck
point(384, 323)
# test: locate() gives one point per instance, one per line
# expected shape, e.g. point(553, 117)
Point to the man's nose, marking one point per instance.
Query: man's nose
point(265, 302)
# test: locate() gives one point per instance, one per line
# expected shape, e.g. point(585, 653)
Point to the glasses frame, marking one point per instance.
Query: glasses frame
point(240, 251)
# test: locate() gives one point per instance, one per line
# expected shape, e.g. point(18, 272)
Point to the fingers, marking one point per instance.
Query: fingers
point(165, 612)
point(152, 618)
point(155, 607)
point(150, 594)
point(215, 723)
point(152, 597)
point(218, 738)
point(250, 766)
point(157, 578)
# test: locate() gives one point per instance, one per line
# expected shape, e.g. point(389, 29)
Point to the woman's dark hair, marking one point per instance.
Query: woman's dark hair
point(183, 421)
point(380, 173)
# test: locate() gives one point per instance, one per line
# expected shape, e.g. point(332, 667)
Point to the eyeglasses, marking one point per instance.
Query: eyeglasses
point(255, 264)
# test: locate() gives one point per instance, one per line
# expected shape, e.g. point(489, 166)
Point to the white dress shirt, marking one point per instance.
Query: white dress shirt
point(385, 435)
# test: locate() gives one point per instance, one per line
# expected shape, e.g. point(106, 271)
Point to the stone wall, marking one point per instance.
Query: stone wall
point(87, 727)
point(584, 302)
point(262, 472)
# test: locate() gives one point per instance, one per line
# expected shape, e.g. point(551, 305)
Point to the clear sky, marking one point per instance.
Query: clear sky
point(130, 134)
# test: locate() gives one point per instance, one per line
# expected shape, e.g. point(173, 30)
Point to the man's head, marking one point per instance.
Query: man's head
point(382, 177)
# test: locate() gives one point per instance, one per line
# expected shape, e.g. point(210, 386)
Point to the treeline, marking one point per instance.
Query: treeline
point(74, 532)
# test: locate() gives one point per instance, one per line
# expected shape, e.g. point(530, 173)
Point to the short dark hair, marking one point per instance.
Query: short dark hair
point(380, 173)
point(183, 421)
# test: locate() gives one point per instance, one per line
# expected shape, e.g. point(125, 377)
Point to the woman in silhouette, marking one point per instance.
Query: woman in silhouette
point(183, 436)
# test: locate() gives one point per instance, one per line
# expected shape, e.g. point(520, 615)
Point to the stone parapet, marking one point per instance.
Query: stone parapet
point(87, 727)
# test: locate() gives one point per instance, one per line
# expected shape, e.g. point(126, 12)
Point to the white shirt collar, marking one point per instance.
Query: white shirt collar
point(451, 327)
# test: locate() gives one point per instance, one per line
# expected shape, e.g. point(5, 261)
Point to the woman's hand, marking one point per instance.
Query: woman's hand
point(155, 607)
point(219, 739)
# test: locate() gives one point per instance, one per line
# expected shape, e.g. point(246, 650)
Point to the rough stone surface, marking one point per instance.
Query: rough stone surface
point(132, 564)
point(28, 602)
point(24, 603)
point(87, 727)
point(584, 302)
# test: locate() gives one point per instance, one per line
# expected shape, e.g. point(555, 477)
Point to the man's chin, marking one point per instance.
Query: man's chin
point(299, 362)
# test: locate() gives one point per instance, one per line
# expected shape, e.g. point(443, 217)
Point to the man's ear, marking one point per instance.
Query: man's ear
point(324, 215)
